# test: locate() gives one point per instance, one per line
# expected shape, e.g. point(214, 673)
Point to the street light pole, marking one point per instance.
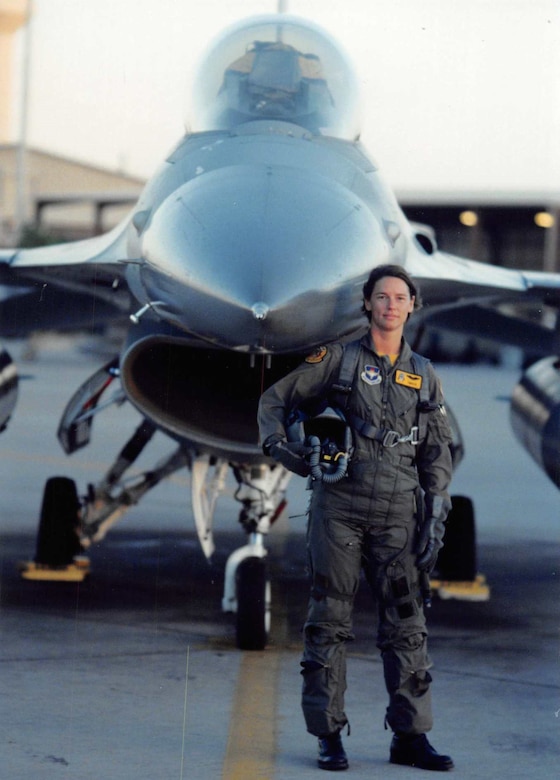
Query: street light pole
point(20, 214)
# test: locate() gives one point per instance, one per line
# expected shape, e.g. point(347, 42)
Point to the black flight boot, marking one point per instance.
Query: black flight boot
point(331, 753)
point(415, 750)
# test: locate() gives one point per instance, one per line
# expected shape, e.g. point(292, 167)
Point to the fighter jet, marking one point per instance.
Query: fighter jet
point(247, 250)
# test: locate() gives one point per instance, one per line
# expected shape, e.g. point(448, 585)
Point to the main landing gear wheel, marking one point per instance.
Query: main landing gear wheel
point(457, 559)
point(253, 604)
point(456, 575)
point(58, 555)
point(57, 537)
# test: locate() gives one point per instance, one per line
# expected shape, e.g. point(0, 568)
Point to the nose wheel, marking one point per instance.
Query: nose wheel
point(247, 594)
point(253, 604)
point(247, 591)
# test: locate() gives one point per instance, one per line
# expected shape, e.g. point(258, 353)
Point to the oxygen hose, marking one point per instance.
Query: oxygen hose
point(315, 467)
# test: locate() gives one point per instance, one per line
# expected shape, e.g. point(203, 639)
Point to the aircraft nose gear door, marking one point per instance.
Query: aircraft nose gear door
point(247, 590)
point(205, 492)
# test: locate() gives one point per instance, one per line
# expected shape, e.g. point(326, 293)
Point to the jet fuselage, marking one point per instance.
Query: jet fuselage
point(258, 239)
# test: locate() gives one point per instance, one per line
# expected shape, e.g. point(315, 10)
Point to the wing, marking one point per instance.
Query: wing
point(510, 307)
point(64, 285)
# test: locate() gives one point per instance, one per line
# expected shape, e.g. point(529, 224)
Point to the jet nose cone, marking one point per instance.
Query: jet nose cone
point(261, 257)
point(260, 311)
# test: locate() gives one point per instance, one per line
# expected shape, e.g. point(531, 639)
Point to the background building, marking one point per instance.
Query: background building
point(64, 199)
point(45, 196)
point(510, 229)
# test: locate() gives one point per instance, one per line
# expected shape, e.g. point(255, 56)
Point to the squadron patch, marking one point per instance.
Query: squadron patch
point(371, 375)
point(317, 356)
point(408, 380)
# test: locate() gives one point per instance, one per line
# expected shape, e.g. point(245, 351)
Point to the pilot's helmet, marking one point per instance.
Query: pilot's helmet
point(326, 430)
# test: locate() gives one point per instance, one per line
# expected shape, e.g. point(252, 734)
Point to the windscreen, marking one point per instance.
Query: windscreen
point(276, 67)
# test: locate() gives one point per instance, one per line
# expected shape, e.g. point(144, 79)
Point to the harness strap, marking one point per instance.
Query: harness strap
point(340, 394)
point(386, 436)
point(340, 391)
point(420, 364)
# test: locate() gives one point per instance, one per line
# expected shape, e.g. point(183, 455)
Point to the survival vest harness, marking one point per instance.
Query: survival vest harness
point(340, 393)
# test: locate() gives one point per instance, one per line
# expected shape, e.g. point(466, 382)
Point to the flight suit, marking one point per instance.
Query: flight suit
point(369, 520)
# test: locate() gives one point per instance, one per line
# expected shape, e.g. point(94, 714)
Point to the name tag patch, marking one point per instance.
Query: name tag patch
point(408, 380)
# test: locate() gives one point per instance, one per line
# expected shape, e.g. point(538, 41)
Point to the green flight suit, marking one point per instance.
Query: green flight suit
point(368, 519)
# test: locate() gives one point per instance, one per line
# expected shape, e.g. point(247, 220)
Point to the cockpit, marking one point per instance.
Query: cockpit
point(276, 67)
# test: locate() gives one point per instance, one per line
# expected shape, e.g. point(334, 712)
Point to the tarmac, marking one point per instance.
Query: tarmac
point(134, 673)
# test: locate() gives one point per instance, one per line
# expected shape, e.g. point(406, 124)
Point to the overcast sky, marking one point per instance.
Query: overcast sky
point(461, 94)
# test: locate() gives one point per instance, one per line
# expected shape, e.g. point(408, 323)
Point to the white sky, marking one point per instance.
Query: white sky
point(457, 94)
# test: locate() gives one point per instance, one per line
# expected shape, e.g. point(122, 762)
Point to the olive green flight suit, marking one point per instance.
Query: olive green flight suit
point(368, 519)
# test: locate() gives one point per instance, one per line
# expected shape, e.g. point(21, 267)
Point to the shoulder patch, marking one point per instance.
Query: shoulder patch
point(408, 380)
point(317, 356)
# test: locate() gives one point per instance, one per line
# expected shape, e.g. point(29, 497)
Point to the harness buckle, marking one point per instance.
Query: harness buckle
point(392, 438)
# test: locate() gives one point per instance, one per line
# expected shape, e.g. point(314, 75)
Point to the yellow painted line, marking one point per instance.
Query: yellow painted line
point(251, 747)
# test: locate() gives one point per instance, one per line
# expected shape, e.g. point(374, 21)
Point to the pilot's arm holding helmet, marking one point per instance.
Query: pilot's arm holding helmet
point(312, 379)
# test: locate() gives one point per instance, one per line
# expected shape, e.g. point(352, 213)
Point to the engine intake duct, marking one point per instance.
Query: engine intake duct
point(535, 415)
point(204, 397)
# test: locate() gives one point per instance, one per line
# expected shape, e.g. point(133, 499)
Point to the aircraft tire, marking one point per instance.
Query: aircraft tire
point(57, 539)
point(457, 560)
point(253, 604)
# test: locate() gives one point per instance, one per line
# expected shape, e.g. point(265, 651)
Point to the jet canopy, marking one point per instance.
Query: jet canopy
point(276, 67)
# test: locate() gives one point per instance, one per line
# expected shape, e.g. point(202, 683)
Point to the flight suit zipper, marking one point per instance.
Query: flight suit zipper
point(384, 398)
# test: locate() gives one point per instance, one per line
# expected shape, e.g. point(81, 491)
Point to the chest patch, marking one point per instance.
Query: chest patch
point(408, 380)
point(371, 375)
point(317, 356)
